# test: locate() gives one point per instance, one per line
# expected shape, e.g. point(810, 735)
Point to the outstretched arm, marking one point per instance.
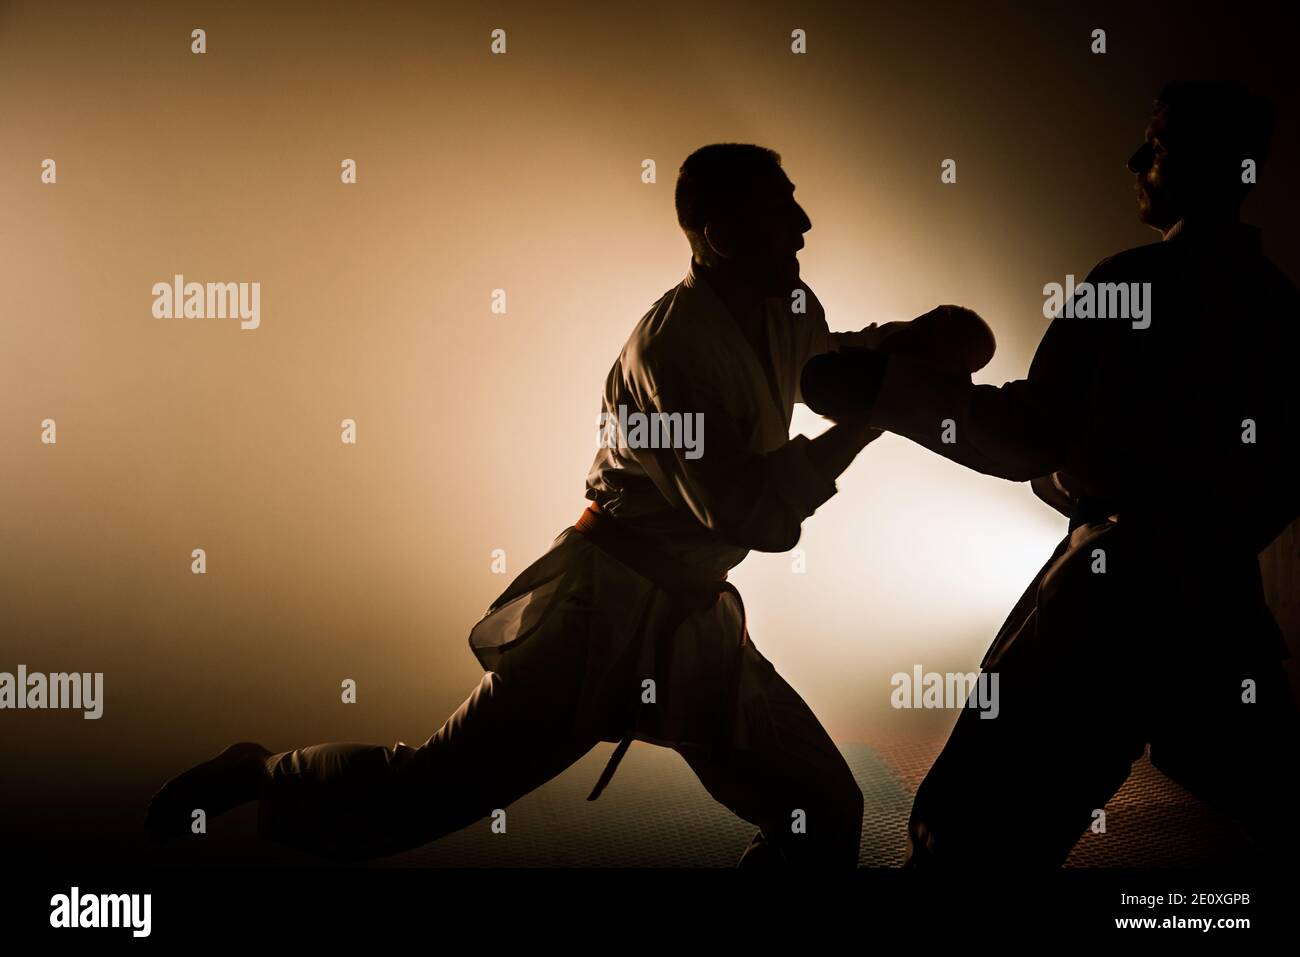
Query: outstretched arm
point(1018, 431)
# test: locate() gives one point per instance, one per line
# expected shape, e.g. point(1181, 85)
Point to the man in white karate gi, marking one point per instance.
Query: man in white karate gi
point(625, 629)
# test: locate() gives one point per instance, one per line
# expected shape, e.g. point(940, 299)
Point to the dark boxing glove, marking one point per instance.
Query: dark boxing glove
point(950, 338)
point(837, 384)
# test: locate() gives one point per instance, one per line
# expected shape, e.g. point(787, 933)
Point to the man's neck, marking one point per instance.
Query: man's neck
point(743, 301)
point(1204, 223)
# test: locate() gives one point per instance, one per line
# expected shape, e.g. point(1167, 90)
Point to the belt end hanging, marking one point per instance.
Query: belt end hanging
point(607, 775)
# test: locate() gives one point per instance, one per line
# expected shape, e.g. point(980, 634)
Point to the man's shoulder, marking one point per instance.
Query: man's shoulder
point(1137, 261)
point(1203, 270)
point(1152, 260)
point(674, 331)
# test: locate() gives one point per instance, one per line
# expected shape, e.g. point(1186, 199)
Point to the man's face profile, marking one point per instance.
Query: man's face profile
point(761, 240)
point(1157, 199)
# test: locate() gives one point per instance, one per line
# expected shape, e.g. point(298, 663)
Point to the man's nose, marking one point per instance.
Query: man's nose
point(802, 221)
point(1140, 161)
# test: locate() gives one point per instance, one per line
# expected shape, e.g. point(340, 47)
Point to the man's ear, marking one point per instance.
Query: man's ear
point(720, 240)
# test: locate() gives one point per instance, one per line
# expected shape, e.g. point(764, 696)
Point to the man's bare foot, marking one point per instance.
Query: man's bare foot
point(234, 776)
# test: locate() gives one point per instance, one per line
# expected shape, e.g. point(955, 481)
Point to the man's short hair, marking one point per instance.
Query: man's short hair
point(714, 182)
point(1217, 125)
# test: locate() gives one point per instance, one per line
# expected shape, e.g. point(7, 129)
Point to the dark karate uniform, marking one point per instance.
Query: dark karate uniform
point(1144, 427)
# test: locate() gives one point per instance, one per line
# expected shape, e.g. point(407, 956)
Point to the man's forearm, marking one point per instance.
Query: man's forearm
point(1011, 432)
point(1018, 431)
point(833, 450)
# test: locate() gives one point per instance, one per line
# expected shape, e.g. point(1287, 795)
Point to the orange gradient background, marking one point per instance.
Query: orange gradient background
point(475, 431)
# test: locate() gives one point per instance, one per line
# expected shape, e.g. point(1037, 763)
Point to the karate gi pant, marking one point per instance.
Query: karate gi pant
point(1094, 666)
point(566, 673)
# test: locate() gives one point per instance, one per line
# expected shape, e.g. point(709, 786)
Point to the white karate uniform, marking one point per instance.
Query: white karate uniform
point(583, 647)
point(754, 485)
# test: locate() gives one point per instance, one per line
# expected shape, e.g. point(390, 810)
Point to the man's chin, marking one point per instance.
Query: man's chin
point(777, 279)
point(785, 279)
point(1147, 217)
point(1154, 215)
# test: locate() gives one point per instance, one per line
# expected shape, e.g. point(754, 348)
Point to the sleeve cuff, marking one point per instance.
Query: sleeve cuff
point(869, 337)
point(796, 478)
